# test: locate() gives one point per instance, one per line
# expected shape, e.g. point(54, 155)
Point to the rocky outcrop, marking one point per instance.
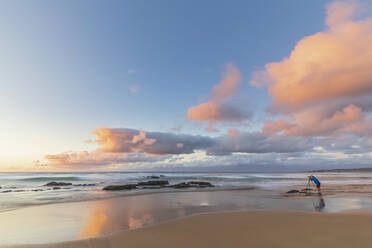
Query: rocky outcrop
point(293, 191)
point(155, 177)
point(191, 184)
point(153, 183)
point(85, 185)
point(159, 184)
point(120, 187)
point(52, 184)
point(201, 184)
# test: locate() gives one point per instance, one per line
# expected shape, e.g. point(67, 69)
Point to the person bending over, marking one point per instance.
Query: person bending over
point(315, 181)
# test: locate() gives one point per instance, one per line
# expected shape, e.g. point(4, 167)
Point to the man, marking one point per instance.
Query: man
point(315, 181)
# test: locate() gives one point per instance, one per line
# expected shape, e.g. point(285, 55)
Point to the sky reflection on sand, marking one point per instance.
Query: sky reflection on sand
point(81, 220)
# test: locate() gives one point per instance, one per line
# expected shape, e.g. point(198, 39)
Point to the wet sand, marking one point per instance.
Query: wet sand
point(81, 220)
point(102, 220)
point(244, 229)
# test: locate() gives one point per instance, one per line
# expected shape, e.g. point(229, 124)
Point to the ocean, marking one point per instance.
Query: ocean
point(26, 189)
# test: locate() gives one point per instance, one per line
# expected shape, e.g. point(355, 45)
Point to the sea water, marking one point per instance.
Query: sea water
point(26, 189)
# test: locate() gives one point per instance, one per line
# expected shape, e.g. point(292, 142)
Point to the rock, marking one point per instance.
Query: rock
point(181, 185)
point(6, 191)
point(19, 190)
point(153, 177)
point(0, 187)
point(55, 188)
point(120, 187)
point(36, 190)
point(57, 184)
point(307, 189)
point(153, 183)
point(293, 191)
point(85, 184)
point(192, 184)
point(202, 184)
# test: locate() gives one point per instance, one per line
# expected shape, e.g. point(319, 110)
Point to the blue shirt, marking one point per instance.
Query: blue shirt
point(315, 180)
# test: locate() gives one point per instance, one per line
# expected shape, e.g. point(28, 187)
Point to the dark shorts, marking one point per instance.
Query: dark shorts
point(318, 186)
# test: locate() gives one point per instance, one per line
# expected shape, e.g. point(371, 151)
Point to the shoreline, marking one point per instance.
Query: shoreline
point(69, 221)
point(260, 228)
point(133, 194)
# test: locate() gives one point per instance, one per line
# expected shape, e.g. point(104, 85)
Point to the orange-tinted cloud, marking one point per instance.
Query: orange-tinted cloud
point(217, 108)
point(327, 65)
point(325, 85)
point(123, 140)
point(96, 158)
point(233, 133)
point(315, 122)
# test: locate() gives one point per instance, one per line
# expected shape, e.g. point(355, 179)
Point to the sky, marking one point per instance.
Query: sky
point(185, 85)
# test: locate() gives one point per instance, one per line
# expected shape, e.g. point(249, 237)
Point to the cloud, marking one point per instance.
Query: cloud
point(143, 150)
point(327, 65)
point(325, 84)
point(123, 146)
point(134, 89)
point(316, 122)
point(123, 140)
point(217, 109)
point(258, 143)
point(233, 133)
point(96, 158)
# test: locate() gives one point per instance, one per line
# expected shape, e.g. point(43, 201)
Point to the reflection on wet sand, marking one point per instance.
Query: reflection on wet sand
point(319, 203)
point(81, 220)
point(107, 216)
point(94, 226)
point(140, 221)
point(97, 219)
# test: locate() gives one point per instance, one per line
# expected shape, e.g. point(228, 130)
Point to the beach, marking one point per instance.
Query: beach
point(243, 229)
point(250, 214)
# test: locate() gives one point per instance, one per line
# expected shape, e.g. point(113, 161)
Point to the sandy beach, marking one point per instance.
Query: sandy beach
point(243, 229)
point(244, 218)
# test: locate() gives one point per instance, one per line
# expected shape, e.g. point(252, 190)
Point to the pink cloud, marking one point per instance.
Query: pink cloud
point(233, 133)
point(217, 109)
point(316, 122)
point(325, 84)
point(96, 158)
point(327, 65)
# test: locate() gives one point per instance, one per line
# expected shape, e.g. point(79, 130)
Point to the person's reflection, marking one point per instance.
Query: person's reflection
point(319, 204)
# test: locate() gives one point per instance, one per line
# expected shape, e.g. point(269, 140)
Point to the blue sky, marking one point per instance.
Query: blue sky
point(68, 67)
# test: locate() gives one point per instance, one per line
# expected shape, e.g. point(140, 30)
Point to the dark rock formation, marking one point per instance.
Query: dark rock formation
point(55, 188)
point(6, 191)
point(201, 184)
point(191, 184)
point(153, 183)
point(85, 184)
point(120, 187)
point(50, 184)
point(155, 177)
point(293, 191)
